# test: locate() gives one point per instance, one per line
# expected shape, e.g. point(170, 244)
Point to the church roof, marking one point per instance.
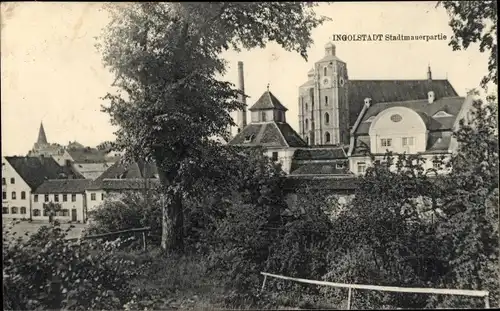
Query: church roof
point(36, 170)
point(386, 91)
point(268, 101)
point(268, 134)
point(42, 138)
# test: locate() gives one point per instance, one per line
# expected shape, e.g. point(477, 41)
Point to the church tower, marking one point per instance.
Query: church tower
point(42, 138)
point(323, 102)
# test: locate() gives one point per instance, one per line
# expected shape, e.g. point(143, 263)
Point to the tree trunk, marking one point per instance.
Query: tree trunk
point(172, 233)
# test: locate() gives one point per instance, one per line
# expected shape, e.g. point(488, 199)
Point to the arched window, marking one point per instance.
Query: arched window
point(327, 137)
point(36, 212)
point(324, 71)
point(327, 118)
point(13, 195)
point(23, 210)
point(13, 210)
point(326, 100)
point(307, 125)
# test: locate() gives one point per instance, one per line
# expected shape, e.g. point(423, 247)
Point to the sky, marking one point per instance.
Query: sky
point(52, 72)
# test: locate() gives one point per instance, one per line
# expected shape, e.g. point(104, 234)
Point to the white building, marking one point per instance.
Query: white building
point(70, 194)
point(21, 176)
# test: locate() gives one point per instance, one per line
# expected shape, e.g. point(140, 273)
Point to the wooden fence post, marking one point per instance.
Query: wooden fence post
point(487, 302)
point(144, 246)
point(349, 298)
point(263, 283)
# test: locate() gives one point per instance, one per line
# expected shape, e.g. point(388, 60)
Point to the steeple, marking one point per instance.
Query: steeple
point(42, 139)
point(429, 73)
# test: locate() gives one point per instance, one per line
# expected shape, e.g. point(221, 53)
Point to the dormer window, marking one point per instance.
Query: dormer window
point(249, 138)
point(442, 114)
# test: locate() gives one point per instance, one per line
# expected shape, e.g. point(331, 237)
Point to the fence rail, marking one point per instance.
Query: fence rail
point(115, 233)
point(417, 290)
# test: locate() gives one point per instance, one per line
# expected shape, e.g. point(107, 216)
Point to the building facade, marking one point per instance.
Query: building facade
point(15, 193)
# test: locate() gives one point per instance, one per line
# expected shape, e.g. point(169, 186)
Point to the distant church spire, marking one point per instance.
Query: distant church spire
point(42, 139)
point(429, 73)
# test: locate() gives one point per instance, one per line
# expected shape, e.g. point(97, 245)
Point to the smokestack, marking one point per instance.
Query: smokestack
point(242, 115)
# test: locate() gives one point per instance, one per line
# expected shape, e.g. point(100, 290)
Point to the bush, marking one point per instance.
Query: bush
point(90, 275)
point(129, 211)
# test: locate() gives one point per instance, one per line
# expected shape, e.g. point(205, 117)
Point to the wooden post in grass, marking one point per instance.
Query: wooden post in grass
point(349, 295)
point(144, 246)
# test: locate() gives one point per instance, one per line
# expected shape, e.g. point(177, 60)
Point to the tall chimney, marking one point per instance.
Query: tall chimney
point(429, 73)
point(242, 115)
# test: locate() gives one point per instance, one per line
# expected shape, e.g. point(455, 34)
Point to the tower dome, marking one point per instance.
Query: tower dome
point(310, 73)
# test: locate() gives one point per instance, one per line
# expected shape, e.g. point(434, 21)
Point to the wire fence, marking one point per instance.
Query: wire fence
point(415, 290)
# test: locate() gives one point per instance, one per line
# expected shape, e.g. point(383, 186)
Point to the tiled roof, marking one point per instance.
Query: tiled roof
point(268, 101)
point(36, 170)
point(335, 183)
point(130, 170)
point(64, 186)
point(124, 184)
point(450, 105)
point(381, 91)
point(320, 153)
point(87, 155)
point(268, 134)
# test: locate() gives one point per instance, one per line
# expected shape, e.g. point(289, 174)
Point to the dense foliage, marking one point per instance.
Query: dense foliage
point(90, 275)
point(166, 57)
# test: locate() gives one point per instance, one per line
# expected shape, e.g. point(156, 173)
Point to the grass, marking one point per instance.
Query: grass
point(26, 228)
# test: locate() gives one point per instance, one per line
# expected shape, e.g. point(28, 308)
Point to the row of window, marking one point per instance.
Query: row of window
point(14, 210)
point(46, 197)
point(14, 195)
point(63, 212)
point(4, 181)
point(406, 141)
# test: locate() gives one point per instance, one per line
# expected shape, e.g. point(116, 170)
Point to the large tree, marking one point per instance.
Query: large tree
point(165, 57)
point(472, 22)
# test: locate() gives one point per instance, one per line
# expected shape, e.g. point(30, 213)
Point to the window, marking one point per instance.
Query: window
point(46, 198)
point(339, 166)
point(73, 198)
point(386, 142)
point(327, 118)
point(5, 210)
point(4, 195)
point(275, 156)
point(4, 182)
point(361, 167)
point(23, 195)
point(65, 197)
point(13, 210)
point(307, 125)
point(36, 212)
point(12, 180)
point(23, 210)
point(65, 212)
point(56, 198)
point(324, 71)
point(326, 100)
point(35, 198)
point(92, 196)
point(307, 107)
point(263, 116)
point(327, 137)
point(45, 212)
point(436, 165)
point(407, 141)
point(102, 196)
point(13, 195)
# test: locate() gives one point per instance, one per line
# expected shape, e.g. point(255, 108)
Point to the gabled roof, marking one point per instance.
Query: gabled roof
point(87, 155)
point(64, 186)
point(268, 101)
point(139, 169)
point(36, 170)
point(268, 134)
point(124, 184)
point(384, 91)
point(452, 105)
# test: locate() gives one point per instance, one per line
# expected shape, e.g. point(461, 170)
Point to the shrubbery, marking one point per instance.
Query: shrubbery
point(90, 275)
